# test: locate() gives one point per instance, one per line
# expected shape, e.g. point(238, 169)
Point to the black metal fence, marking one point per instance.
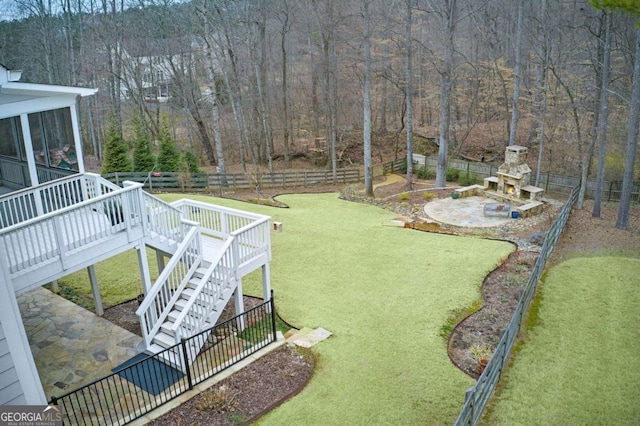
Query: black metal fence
point(478, 396)
point(150, 381)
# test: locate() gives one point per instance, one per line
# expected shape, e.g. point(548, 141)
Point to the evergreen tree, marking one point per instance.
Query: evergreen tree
point(168, 157)
point(143, 158)
point(190, 163)
point(116, 158)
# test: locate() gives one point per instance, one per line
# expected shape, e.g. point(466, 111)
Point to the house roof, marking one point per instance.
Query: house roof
point(23, 98)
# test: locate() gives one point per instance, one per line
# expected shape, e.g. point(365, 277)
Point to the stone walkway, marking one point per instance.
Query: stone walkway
point(71, 346)
point(465, 212)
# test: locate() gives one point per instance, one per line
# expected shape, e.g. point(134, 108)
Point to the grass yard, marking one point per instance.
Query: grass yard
point(384, 292)
point(580, 364)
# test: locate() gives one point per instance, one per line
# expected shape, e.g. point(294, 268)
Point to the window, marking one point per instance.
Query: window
point(52, 139)
point(10, 136)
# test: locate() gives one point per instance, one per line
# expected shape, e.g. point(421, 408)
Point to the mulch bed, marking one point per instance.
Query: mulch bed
point(248, 394)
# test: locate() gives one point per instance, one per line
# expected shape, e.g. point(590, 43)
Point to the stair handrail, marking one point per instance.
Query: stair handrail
point(165, 292)
point(200, 304)
point(169, 225)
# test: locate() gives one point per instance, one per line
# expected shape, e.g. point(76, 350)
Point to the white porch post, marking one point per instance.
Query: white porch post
point(77, 139)
point(160, 261)
point(16, 337)
point(31, 160)
point(239, 304)
point(93, 279)
point(145, 276)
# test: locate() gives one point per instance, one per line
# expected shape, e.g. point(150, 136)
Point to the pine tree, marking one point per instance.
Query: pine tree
point(190, 163)
point(168, 157)
point(143, 158)
point(116, 158)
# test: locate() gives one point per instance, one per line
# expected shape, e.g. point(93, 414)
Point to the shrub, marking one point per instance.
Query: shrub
point(428, 196)
point(452, 174)
point(404, 196)
point(425, 173)
point(467, 179)
point(403, 167)
point(219, 400)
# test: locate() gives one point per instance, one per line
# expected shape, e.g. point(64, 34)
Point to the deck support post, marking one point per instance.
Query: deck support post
point(93, 279)
point(160, 261)
point(145, 276)
point(266, 283)
point(239, 305)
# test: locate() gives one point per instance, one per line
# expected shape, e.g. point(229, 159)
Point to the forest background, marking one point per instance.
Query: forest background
point(275, 84)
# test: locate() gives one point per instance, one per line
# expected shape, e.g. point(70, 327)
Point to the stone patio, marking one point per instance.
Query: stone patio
point(71, 346)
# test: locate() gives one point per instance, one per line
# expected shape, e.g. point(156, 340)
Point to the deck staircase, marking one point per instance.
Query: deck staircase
point(209, 247)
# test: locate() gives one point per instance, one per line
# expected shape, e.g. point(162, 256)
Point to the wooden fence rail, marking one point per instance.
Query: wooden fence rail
point(222, 183)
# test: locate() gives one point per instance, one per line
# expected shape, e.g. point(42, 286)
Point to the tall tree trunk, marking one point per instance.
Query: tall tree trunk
point(622, 221)
point(604, 115)
point(408, 93)
point(544, 76)
point(285, 91)
point(445, 96)
point(368, 168)
point(515, 110)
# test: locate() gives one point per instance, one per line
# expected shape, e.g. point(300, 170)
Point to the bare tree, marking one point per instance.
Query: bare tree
point(604, 114)
point(368, 169)
point(409, 93)
point(517, 76)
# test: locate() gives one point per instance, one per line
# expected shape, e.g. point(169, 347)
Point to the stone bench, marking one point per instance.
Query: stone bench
point(491, 183)
point(531, 192)
point(470, 191)
point(530, 209)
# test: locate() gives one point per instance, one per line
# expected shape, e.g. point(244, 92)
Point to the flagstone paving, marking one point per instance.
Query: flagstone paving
point(466, 212)
point(71, 346)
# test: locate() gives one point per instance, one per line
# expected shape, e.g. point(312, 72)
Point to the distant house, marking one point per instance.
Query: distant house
point(150, 66)
point(55, 220)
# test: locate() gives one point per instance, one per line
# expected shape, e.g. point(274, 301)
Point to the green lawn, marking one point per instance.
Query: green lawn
point(118, 279)
point(385, 292)
point(581, 364)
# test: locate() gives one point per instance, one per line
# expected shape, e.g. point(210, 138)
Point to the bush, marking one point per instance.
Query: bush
point(428, 196)
point(425, 173)
point(467, 179)
point(403, 167)
point(404, 196)
point(452, 174)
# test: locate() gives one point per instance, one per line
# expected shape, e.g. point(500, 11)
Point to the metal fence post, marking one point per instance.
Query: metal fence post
point(272, 305)
point(183, 346)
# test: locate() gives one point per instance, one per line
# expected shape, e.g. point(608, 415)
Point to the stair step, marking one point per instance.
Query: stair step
point(165, 340)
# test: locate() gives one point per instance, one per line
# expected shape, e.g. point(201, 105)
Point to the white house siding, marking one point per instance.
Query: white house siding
point(10, 389)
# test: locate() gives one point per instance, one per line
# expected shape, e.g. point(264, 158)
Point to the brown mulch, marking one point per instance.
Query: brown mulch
point(248, 394)
point(268, 382)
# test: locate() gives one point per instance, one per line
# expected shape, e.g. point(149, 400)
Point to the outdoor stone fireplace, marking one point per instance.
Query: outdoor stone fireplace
point(513, 177)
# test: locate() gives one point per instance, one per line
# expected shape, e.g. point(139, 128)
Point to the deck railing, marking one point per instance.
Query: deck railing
point(116, 400)
point(161, 298)
point(206, 295)
point(28, 203)
point(162, 218)
point(246, 236)
point(250, 229)
point(69, 229)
